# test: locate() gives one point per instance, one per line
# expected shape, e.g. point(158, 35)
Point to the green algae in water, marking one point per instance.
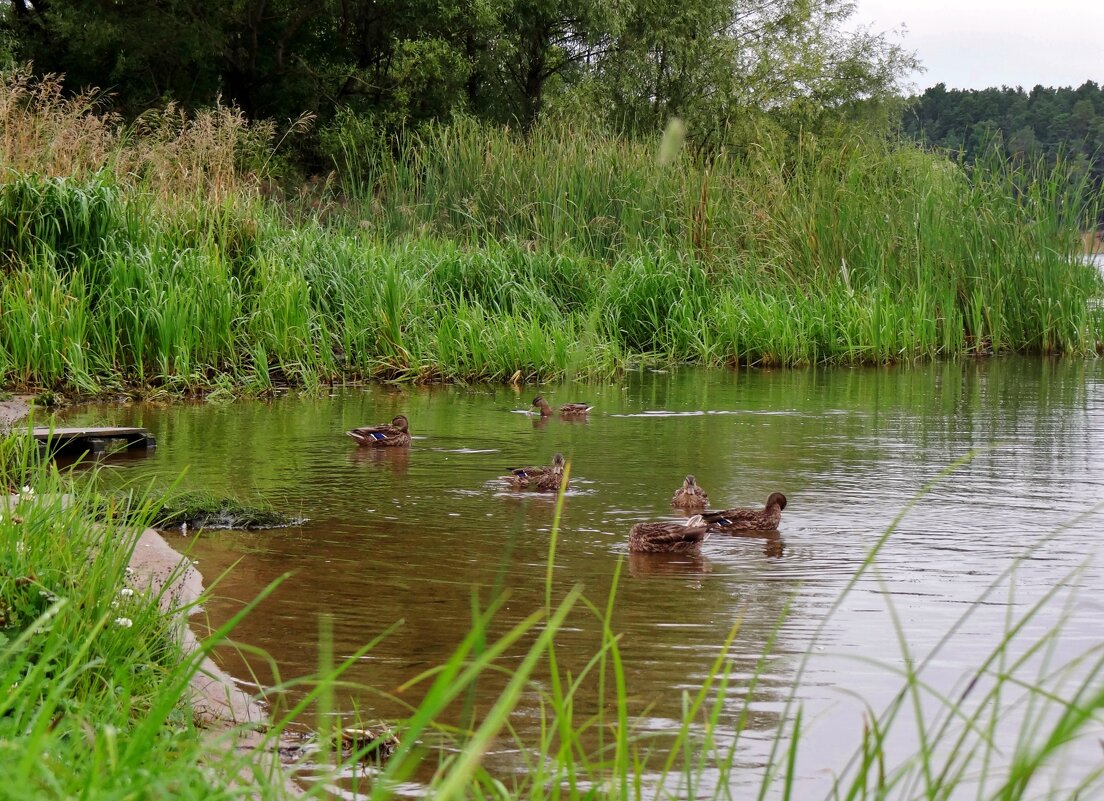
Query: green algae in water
point(197, 510)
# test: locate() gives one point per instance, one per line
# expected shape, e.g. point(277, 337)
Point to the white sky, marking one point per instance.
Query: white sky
point(973, 44)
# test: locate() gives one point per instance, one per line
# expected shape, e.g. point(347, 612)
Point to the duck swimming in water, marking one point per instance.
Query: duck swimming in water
point(567, 410)
point(387, 435)
point(689, 495)
point(542, 479)
point(765, 519)
point(668, 537)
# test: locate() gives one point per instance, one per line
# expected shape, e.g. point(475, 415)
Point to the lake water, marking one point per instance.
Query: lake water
point(411, 535)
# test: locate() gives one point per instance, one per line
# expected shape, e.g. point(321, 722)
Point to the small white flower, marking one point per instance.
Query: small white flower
point(125, 622)
point(20, 546)
point(126, 592)
point(27, 492)
point(129, 570)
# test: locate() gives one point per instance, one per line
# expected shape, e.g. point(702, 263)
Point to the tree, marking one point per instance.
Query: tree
point(714, 62)
point(400, 62)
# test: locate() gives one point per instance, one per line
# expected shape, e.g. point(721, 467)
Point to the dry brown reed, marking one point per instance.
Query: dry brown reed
point(212, 154)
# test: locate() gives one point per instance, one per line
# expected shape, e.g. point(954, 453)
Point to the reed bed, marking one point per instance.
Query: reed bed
point(144, 256)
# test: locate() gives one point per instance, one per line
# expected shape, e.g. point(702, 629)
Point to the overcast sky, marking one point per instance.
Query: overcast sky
point(972, 44)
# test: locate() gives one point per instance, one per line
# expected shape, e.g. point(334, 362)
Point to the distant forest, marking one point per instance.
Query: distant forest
point(1044, 124)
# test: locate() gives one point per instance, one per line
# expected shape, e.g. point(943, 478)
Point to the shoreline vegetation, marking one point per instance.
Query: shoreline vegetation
point(156, 257)
point(146, 257)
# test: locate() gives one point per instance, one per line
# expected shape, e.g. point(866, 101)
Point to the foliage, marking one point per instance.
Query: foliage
point(1047, 124)
point(467, 252)
point(400, 63)
point(95, 685)
point(46, 133)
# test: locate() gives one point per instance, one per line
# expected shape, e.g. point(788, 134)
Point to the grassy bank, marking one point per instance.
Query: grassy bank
point(146, 255)
point(95, 680)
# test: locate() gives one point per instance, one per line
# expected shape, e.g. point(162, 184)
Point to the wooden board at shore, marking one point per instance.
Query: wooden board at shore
point(93, 439)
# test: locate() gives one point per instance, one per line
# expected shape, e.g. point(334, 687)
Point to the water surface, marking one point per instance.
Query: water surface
point(412, 536)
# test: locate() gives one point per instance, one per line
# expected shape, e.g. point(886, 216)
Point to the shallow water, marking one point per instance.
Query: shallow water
point(412, 535)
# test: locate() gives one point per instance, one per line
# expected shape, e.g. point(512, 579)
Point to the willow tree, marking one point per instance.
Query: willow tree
point(713, 62)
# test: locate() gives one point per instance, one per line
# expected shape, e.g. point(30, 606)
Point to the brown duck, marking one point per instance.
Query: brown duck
point(387, 435)
point(668, 537)
point(765, 519)
point(567, 410)
point(689, 495)
point(541, 479)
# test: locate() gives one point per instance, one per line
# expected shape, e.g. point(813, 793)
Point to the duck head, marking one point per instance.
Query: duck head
point(400, 422)
point(776, 499)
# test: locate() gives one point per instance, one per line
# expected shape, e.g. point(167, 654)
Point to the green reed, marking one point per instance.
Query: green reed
point(470, 253)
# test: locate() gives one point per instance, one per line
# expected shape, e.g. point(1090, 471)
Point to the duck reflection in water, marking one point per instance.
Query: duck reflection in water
point(657, 565)
point(397, 459)
point(773, 544)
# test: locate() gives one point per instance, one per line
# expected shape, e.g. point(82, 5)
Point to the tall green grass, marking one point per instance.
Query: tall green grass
point(95, 682)
point(463, 252)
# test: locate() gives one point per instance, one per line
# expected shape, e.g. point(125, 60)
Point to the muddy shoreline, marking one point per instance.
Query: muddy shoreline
point(12, 410)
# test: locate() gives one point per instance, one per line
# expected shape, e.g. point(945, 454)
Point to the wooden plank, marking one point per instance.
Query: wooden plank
point(41, 432)
point(71, 440)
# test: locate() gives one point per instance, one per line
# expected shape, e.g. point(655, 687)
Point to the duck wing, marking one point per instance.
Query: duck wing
point(529, 472)
point(367, 435)
point(665, 536)
point(576, 408)
point(737, 519)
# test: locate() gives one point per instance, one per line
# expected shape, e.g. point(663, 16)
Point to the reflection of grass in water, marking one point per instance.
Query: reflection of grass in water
point(67, 662)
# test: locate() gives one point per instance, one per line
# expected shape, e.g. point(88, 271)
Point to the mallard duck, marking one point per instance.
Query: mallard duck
point(387, 435)
point(689, 495)
point(542, 479)
point(567, 410)
point(668, 537)
point(765, 519)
